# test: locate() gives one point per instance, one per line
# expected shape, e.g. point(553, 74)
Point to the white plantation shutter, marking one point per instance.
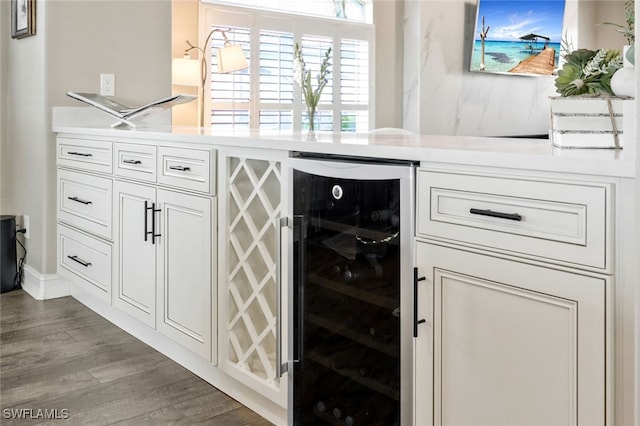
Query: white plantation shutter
point(276, 120)
point(276, 66)
point(269, 99)
point(354, 72)
point(275, 86)
point(354, 85)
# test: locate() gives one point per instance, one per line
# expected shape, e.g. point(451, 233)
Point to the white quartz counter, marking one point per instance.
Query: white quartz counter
point(513, 153)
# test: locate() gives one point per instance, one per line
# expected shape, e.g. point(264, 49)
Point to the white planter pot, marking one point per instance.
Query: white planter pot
point(623, 82)
point(586, 122)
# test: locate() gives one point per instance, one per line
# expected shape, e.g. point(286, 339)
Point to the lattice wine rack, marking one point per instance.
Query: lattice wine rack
point(254, 205)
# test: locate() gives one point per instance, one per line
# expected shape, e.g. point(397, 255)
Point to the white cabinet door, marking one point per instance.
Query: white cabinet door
point(252, 199)
point(135, 264)
point(513, 343)
point(185, 258)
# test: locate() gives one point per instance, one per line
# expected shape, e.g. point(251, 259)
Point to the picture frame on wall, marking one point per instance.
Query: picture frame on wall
point(518, 36)
point(23, 18)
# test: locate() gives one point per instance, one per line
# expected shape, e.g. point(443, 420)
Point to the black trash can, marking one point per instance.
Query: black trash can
point(8, 258)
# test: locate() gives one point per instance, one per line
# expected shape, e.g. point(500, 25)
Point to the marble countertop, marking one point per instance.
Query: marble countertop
point(512, 153)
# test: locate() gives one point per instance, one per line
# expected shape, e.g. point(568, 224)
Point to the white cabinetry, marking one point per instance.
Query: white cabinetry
point(186, 259)
point(84, 214)
point(164, 245)
point(252, 188)
point(137, 230)
point(516, 318)
point(135, 265)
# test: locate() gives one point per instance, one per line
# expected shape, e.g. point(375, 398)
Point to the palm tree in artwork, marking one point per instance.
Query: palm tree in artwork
point(483, 35)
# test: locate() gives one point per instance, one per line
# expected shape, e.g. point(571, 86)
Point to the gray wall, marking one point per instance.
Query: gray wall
point(75, 41)
point(4, 23)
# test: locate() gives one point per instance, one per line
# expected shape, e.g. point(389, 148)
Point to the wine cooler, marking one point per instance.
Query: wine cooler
point(349, 345)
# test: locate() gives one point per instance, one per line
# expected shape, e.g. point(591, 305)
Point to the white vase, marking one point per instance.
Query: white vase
point(623, 82)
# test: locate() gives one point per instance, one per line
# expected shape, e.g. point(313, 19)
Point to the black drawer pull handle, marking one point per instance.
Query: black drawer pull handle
point(500, 215)
point(81, 154)
point(80, 261)
point(132, 161)
point(180, 168)
point(78, 200)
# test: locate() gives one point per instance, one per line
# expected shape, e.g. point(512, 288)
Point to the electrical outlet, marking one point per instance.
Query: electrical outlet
point(107, 84)
point(25, 225)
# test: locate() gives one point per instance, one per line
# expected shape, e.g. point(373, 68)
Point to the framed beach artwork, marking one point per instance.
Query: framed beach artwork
point(518, 36)
point(23, 18)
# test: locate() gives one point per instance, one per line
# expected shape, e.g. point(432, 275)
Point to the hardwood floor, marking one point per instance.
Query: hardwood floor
point(59, 355)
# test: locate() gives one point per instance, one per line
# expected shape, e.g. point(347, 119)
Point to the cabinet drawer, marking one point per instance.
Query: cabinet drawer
point(86, 154)
point(136, 161)
point(557, 221)
point(186, 168)
point(85, 201)
point(87, 258)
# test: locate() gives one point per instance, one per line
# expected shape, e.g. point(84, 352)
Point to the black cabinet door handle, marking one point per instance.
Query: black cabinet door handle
point(80, 154)
point(416, 321)
point(132, 161)
point(81, 201)
point(80, 261)
point(180, 168)
point(499, 215)
point(151, 233)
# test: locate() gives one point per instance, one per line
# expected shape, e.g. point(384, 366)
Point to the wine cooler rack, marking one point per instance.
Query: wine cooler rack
point(350, 316)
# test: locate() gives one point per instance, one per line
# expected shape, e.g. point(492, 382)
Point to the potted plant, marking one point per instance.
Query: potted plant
point(302, 76)
point(624, 81)
point(629, 30)
point(588, 72)
point(585, 116)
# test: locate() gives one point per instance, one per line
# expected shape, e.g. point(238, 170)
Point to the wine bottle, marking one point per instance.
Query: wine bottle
point(378, 366)
point(361, 274)
point(351, 275)
point(381, 215)
point(384, 329)
point(347, 404)
point(370, 412)
point(349, 357)
point(334, 271)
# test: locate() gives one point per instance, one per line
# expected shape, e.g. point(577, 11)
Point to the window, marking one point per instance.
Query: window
point(353, 10)
point(265, 96)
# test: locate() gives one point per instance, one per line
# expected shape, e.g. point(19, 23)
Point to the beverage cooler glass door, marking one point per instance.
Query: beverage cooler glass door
point(350, 273)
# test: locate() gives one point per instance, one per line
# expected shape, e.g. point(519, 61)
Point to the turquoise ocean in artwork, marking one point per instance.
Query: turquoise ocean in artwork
point(501, 56)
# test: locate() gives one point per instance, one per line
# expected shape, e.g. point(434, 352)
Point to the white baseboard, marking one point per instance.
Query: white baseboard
point(44, 286)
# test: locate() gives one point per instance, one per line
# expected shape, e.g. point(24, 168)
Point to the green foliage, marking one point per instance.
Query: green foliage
point(588, 72)
point(302, 76)
point(628, 31)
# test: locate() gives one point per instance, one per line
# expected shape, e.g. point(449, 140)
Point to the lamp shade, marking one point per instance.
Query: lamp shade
point(185, 72)
point(231, 58)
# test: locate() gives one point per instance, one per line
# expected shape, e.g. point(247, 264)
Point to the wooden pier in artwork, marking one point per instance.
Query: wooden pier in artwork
point(543, 63)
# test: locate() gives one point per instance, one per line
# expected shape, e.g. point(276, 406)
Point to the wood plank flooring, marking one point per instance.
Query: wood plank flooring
point(59, 355)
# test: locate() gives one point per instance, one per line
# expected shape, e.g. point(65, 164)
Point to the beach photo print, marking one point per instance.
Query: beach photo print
point(517, 36)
